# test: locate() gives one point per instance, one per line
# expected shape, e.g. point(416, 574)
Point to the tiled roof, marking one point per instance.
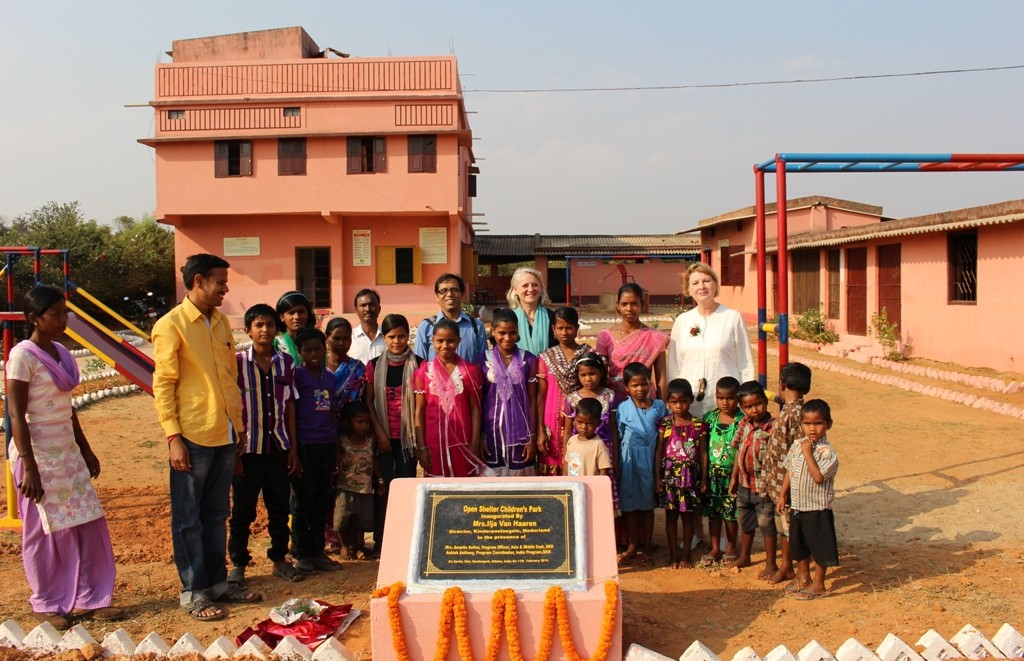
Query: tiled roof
point(795, 203)
point(492, 245)
point(989, 214)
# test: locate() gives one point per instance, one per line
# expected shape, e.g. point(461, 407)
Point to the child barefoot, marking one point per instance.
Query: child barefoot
point(679, 458)
point(794, 383)
point(359, 479)
point(585, 453)
point(637, 420)
point(718, 504)
point(808, 491)
point(752, 510)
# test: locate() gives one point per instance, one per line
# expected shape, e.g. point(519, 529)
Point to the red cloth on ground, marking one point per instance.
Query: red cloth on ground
point(308, 632)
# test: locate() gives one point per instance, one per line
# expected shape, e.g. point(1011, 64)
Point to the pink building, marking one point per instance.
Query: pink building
point(590, 268)
point(943, 278)
point(312, 172)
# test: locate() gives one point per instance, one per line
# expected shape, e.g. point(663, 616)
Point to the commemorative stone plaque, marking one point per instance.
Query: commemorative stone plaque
point(521, 534)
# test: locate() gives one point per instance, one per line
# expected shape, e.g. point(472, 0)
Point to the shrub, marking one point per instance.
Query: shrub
point(813, 327)
point(887, 334)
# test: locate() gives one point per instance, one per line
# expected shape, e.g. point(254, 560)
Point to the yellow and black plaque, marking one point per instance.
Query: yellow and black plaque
point(499, 534)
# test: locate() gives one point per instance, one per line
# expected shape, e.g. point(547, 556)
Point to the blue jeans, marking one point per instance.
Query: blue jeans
point(199, 511)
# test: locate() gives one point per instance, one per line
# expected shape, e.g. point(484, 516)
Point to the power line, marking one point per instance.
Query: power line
point(754, 83)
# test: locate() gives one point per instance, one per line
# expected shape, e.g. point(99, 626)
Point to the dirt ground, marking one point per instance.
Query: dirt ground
point(930, 536)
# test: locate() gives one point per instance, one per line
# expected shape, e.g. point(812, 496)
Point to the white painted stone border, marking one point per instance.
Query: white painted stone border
point(45, 639)
point(968, 643)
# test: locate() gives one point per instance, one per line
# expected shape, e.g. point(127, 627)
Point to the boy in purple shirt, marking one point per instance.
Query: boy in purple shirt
point(318, 448)
point(266, 378)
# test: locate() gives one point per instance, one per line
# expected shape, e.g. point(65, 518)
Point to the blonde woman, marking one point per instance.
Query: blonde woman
point(527, 298)
point(708, 342)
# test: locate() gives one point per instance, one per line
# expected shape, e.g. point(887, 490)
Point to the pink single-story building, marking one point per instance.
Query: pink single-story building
point(943, 278)
point(311, 170)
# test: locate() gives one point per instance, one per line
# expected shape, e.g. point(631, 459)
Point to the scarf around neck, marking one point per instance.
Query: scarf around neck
point(533, 338)
point(65, 373)
point(407, 434)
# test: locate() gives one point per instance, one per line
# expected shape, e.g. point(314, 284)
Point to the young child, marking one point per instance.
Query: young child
point(585, 453)
point(358, 480)
point(637, 421)
point(295, 312)
point(317, 434)
point(794, 383)
point(392, 404)
point(349, 373)
point(719, 504)
point(509, 400)
point(556, 379)
point(680, 461)
point(753, 511)
point(807, 492)
point(592, 374)
point(266, 378)
point(448, 409)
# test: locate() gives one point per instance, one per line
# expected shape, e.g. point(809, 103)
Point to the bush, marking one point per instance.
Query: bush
point(888, 335)
point(813, 327)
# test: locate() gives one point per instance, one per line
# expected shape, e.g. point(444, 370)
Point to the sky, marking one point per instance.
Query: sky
point(652, 161)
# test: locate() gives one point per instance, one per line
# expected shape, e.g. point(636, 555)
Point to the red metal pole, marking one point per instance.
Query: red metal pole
point(783, 262)
point(762, 278)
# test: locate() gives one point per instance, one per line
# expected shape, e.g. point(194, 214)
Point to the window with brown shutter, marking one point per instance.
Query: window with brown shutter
point(732, 266)
point(291, 156)
point(963, 266)
point(366, 155)
point(232, 158)
point(422, 153)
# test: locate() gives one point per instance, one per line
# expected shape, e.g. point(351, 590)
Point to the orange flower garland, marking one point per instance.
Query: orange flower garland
point(503, 611)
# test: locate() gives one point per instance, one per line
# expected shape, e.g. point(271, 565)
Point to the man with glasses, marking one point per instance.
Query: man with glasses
point(450, 290)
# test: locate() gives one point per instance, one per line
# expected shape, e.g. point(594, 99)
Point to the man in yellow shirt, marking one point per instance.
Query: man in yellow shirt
point(195, 388)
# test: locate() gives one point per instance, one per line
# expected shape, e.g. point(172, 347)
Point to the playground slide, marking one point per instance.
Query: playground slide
point(134, 365)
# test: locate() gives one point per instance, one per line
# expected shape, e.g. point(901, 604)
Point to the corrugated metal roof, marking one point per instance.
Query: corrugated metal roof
point(497, 245)
point(504, 245)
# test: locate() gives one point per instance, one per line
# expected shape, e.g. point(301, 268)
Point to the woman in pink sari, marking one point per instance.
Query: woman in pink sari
point(447, 391)
point(632, 341)
point(66, 550)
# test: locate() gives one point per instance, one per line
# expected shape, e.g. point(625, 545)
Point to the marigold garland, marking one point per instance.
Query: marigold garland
point(503, 612)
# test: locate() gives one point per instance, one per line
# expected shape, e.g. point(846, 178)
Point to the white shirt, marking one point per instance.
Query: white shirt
point(363, 348)
point(719, 347)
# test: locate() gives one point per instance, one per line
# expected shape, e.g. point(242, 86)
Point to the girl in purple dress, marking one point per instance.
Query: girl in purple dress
point(510, 400)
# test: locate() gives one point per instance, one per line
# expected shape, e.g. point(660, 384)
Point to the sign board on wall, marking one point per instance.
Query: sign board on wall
point(361, 248)
point(241, 246)
point(434, 244)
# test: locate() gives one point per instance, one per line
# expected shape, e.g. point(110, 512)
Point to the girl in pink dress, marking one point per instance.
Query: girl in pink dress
point(448, 409)
point(556, 374)
point(632, 341)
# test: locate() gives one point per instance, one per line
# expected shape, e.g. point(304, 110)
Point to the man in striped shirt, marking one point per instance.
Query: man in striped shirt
point(809, 488)
point(266, 378)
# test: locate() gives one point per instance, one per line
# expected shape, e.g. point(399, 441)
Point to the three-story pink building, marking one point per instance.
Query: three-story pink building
point(312, 171)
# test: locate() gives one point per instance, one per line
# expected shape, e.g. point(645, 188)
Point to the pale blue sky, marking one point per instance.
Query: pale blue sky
point(646, 161)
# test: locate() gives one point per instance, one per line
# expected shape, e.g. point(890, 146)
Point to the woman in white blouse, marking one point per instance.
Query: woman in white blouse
point(708, 342)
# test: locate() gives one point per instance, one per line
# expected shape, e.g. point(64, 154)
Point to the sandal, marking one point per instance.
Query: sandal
point(202, 605)
point(236, 576)
point(363, 554)
point(625, 558)
point(56, 619)
point(236, 595)
point(323, 563)
point(806, 595)
point(288, 572)
point(642, 559)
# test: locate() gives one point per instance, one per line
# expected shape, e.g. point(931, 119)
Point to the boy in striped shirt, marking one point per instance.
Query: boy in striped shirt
point(266, 378)
point(808, 491)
